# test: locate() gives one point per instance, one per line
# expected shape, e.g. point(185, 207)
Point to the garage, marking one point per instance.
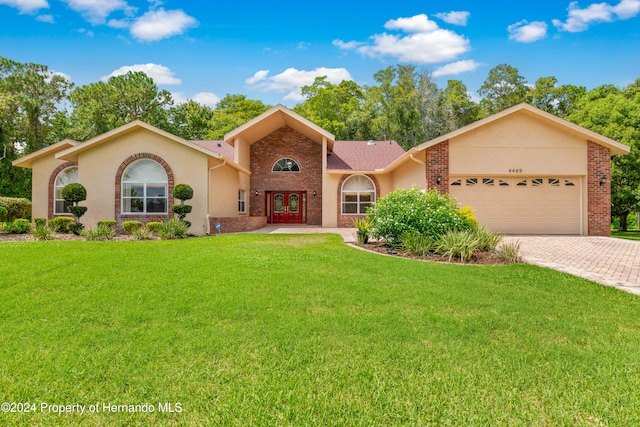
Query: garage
point(523, 205)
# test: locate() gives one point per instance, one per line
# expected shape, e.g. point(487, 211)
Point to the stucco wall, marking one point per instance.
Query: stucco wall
point(98, 167)
point(44, 170)
point(410, 173)
point(223, 190)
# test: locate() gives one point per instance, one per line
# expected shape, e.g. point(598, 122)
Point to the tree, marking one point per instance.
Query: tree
point(101, 107)
point(182, 192)
point(616, 113)
point(233, 111)
point(75, 193)
point(190, 120)
point(503, 88)
point(554, 99)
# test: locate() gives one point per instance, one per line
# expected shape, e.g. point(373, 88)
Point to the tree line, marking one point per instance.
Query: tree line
point(39, 108)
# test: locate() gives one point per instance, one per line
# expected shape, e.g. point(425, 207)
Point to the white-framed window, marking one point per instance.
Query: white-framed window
point(241, 201)
point(66, 176)
point(286, 164)
point(358, 193)
point(145, 188)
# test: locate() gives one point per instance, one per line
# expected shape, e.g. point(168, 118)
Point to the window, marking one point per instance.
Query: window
point(67, 176)
point(488, 181)
point(358, 193)
point(568, 183)
point(503, 183)
point(554, 182)
point(144, 188)
point(471, 181)
point(285, 165)
point(537, 182)
point(522, 183)
point(457, 182)
point(241, 205)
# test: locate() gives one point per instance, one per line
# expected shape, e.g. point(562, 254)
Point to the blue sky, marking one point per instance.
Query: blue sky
point(267, 50)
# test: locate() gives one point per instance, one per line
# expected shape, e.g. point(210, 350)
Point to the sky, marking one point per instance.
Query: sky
point(267, 50)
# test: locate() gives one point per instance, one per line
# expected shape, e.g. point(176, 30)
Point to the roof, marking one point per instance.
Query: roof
point(27, 161)
point(363, 155)
point(615, 146)
point(275, 118)
point(220, 147)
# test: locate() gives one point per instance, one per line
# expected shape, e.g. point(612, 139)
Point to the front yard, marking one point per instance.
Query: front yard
point(303, 330)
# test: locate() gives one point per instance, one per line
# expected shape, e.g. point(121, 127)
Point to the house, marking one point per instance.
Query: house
point(522, 170)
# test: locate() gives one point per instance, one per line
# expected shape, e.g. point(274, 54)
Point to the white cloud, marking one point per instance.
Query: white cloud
point(118, 23)
point(26, 6)
point(45, 18)
point(526, 32)
point(161, 24)
point(578, 19)
point(96, 11)
point(206, 98)
point(159, 73)
point(456, 68)
point(291, 80)
point(424, 43)
point(454, 18)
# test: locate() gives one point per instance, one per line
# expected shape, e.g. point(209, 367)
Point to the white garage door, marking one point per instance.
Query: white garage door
point(537, 205)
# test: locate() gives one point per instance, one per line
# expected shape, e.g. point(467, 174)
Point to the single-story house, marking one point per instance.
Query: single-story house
point(523, 171)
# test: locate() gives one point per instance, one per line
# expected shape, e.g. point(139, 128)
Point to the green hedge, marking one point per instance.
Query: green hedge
point(14, 208)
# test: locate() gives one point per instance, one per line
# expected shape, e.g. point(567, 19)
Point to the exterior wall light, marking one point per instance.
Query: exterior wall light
point(314, 193)
point(438, 179)
point(257, 192)
point(603, 180)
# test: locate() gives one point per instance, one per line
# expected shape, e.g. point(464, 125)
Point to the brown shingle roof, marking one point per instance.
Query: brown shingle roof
point(219, 147)
point(361, 156)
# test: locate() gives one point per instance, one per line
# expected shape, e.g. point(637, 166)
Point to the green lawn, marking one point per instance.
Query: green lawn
point(303, 330)
point(630, 235)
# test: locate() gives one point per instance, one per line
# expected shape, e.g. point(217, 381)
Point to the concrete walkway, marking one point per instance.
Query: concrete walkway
point(348, 234)
point(609, 261)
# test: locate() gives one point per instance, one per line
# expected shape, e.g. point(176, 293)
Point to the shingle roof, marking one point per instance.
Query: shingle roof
point(220, 147)
point(362, 155)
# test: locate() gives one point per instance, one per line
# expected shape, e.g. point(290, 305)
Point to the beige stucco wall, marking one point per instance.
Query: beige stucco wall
point(242, 152)
point(411, 173)
point(224, 183)
point(98, 166)
point(330, 200)
point(517, 142)
point(42, 169)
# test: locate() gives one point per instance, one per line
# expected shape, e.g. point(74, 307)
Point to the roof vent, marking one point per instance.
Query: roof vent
point(219, 145)
point(371, 142)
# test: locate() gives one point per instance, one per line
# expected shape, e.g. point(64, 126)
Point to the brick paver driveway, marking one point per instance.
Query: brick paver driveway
point(612, 262)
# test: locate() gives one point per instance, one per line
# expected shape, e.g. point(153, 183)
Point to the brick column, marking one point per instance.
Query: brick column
point(438, 166)
point(598, 196)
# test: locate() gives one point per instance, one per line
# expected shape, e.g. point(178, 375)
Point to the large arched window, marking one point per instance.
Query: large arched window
point(358, 192)
point(66, 176)
point(145, 187)
point(286, 165)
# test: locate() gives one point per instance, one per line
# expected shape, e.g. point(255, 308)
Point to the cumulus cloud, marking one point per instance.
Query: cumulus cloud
point(45, 18)
point(579, 20)
point(419, 40)
point(161, 24)
point(96, 11)
point(159, 73)
point(454, 18)
point(526, 32)
point(206, 98)
point(26, 6)
point(456, 68)
point(291, 80)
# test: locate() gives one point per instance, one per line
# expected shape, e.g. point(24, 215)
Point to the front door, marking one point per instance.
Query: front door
point(287, 207)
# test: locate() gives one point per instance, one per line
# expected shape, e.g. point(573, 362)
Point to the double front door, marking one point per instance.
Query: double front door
point(287, 207)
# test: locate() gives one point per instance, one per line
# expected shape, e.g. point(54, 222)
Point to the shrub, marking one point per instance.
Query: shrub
point(130, 226)
point(173, 229)
point(182, 192)
point(143, 233)
point(76, 228)
point(363, 229)
point(40, 221)
point(74, 192)
point(19, 226)
point(14, 208)
point(428, 213)
point(104, 231)
point(42, 232)
point(457, 244)
point(416, 243)
point(61, 224)
point(153, 226)
point(487, 239)
point(510, 252)
point(111, 223)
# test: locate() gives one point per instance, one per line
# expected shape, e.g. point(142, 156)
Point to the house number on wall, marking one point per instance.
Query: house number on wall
point(515, 170)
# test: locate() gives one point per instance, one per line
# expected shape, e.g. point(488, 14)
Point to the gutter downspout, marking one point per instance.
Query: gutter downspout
point(417, 160)
point(208, 223)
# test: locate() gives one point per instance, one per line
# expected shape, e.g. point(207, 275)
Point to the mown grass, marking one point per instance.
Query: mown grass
point(629, 235)
point(303, 330)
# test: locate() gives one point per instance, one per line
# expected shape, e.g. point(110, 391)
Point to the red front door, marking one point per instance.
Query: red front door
point(287, 207)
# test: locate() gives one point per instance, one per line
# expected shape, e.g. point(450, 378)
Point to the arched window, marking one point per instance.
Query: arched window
point(66, 176)
point(144, 187)
point(358, 192)
point(286, 165)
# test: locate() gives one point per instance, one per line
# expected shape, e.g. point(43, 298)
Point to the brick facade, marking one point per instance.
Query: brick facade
point(52, 183)
point(438, 166)
point(286, 142)
point(118, 215)
point(347, 220)
point(598, 196)
point(237, 224)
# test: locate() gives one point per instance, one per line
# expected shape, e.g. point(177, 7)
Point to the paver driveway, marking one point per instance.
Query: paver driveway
point(612, 262)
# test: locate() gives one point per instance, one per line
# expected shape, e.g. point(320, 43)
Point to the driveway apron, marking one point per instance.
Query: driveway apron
point(606, 260)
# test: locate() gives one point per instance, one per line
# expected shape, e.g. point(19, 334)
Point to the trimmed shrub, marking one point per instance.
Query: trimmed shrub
point(74, 192)
point(40, 221)
point(182, 192)
point(130, 226)
point(76, 228)
point(428, 213)
point(19, 226)
point(173, 229)
point(61, 224)
point(14, 208)
point(108, 223)
point(457, 244)
point(153, 226)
